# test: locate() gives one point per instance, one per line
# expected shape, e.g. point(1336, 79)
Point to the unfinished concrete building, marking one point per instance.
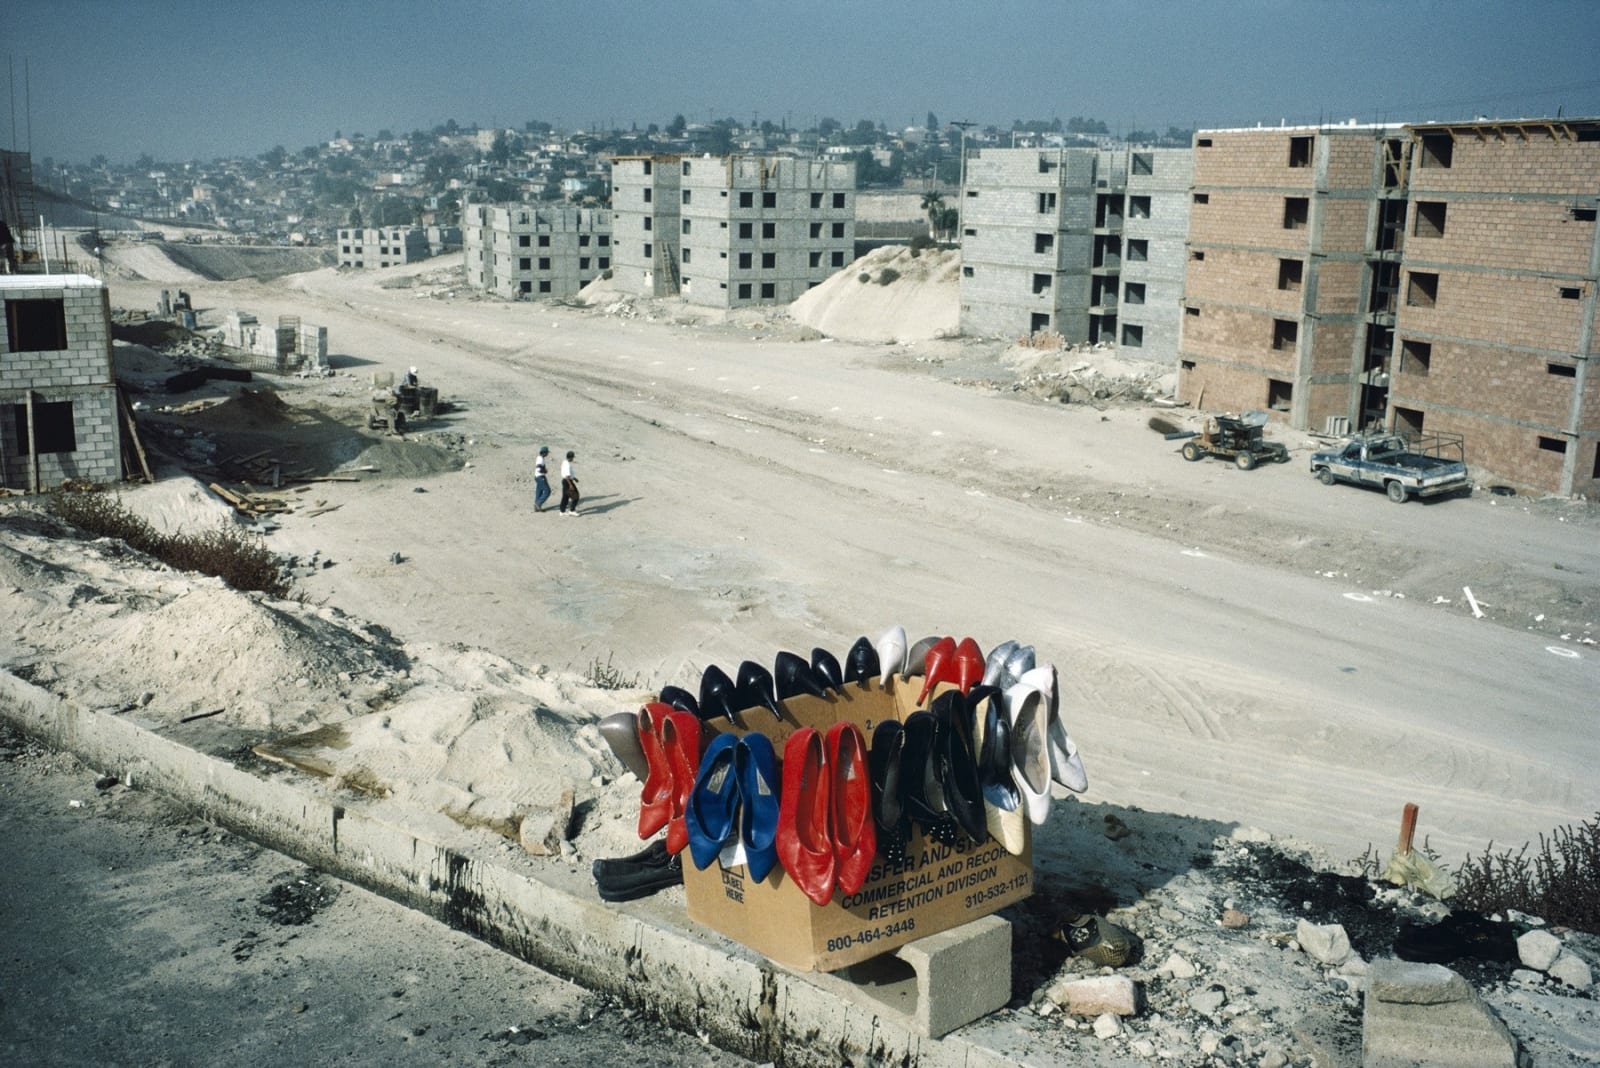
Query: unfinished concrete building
point(527, 251)
point(1086, 243)
point(1295, 238)
point(731, 231)
point(1428, 279)
point(59, 413)
point(382, 246)
point(1495, 334)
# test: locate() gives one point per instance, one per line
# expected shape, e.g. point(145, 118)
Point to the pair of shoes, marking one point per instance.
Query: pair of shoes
point(1006, 664)
point(826, 834)
point(1099, 941)
point(645, 872)
point(888, 806)
point(1066, 766)
point(671, 743)
point(735, 795)
point(1003, 815)
point(794, 677)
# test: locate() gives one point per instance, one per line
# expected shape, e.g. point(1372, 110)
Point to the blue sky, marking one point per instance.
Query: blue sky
point(208, 78)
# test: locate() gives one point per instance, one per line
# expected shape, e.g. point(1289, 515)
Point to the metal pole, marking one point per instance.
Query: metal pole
point(961, 211)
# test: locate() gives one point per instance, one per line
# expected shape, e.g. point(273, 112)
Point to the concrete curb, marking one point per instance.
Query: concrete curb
point(696, 980)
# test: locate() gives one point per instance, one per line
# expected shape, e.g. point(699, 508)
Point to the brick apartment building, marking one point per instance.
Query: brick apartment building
point(383, 246)
point(731, 231)
point(1085, 242)
point(1435, 278)
point(526, 251)
point(58, 399)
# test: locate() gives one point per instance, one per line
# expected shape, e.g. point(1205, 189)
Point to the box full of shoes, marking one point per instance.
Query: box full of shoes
point(826, 813)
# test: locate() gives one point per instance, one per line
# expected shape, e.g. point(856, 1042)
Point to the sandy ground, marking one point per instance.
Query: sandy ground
point(1245, 647)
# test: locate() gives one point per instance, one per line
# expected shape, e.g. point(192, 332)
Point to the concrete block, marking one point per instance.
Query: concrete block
point(1452, 1034)
point(1097, 994)
point(1406, 983)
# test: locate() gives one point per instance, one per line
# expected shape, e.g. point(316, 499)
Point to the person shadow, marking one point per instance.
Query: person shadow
point(599, 504)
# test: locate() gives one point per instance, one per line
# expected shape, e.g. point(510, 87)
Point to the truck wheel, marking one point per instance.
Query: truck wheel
point(1246, 461)
point(1397, 492)
point(1191, 451)
point(1325, 476)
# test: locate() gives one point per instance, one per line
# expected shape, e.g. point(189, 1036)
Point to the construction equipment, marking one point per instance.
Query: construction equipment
point(394, 406)
point(1238, 438)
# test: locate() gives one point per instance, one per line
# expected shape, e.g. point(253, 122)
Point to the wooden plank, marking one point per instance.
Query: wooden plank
point(320, 511)
point(324, 478)
point(33, 449)
point(133, 433)
point(227, 495)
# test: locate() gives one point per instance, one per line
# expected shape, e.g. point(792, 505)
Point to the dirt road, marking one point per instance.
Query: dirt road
point(1242, 646)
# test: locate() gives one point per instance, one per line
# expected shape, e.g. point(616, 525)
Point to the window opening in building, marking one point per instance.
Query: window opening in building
point(649, 223)
point(1285, 334)
point(744, 291)
point(1552, 444)
point(1202, 198)
point(1296, 213)
point(1430, 218)
point(1437, 150)
point(769, 290)
point(685, 166)
point(1041, 283)
point(1583, 214)
point(1143, 163)
point(649, 250)
point(1391, 224)
point(1394, 163)
point(544, 240)
point(647, 195)
point(769, 231)
point(523, 241)
point(969, 232)
point(1204, 142)
point(544, 261)
point(744, 261)
point(685, 258)
point(1186, 365)
point(583, 240)
point(816, 231)
point(1038, 321)
point(1423, 292)
point(1290, 274)
point(816, 200)
point(52, 421)
point(525, 263)
point(544, 285)
point(686, 223)
point(747, 199)
point(605, 239)
point(1043, 242)
point(1138, 207)
point(647, 164)
point(769, 260)
point(769, 200)
point(525, 286)
point(1385, 286)
point(1138, 250)
point(1192, 311)
point(746, 230)
point(1562, 370)
point(966, 271)
point(838, 200)
point(1407, 421)
point(838, 229)
point(1571, 293)
point(838, 259)
point(1047, 202)
point(1300, 151)
point(1415, 357)
point(686, 193)
point(1596, 472)
point(1280, 394)
point(815, 259)
point(1132, 336)
point(605, 262)
point(1133, 292)
point(1198, 255)
point(1047, 163)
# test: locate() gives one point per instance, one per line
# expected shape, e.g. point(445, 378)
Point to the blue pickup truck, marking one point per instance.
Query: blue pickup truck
point(1403, 468)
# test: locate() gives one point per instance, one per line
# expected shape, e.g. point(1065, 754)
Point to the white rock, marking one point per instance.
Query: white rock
point(1178, 968)
point(1143, 1047)
point(1571, 969)
point(1096, 995)
point(1210, 1042)
point(1106, 1025)
point(1207, 1002)
point(1538, 950)
point(1273, 1058)
point(1326, 943)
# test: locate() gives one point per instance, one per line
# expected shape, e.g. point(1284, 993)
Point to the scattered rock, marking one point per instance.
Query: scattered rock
point(1233, 919)
point(1538, 950)
point(1326, 943)
point(1571, 969)
point(1404, 983)
point(1097, 995)
point(1106, 1025)
point(544, 830)
point(1209, 1001)
point(1115, 828)
point(1178, 968)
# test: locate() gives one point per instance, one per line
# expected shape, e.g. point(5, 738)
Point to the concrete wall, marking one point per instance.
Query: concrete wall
point(1164, 175)
point(528, 252)
point(645, 224)
point(79, 375)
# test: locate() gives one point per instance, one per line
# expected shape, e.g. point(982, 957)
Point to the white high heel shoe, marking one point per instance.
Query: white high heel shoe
point(1066, 766)
point(891, 653)
point(1030, 751)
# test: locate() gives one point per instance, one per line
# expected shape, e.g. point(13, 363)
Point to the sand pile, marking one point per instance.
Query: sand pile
point(905, 297)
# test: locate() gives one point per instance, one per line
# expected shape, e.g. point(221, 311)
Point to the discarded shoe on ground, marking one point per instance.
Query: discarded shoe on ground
point(1099, 941)
point(644, 873)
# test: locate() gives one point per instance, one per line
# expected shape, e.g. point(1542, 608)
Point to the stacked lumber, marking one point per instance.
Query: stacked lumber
point(249, 503)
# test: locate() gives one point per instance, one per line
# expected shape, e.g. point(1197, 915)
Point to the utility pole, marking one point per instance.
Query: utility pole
point(961, 210)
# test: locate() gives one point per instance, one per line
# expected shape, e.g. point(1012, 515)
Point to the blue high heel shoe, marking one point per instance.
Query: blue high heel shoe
point(755, 765)
point(714, 802)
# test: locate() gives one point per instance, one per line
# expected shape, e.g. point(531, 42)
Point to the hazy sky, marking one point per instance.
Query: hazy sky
point(208, 78)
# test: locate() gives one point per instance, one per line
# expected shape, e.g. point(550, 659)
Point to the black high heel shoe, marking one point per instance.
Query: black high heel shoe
point(718, 695)
point(958, 768)
point(755, 688)
point(681, 699)
point(793, 677)
point(861, 662)
point(920, 789)
point(888, 807)
point(825, 666)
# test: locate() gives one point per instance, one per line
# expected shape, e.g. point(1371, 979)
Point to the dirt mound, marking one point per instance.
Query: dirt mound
point(153, 333)
point(248, 409)
point(905, 297)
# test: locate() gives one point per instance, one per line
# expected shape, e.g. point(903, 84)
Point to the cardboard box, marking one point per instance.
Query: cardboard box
point(937, 887)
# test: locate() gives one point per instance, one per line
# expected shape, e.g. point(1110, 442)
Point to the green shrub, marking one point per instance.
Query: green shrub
point(920, 242)
point(887, 275)
point(237, 557)
point(1559, 882)
point(605, 677)
point(863, 278)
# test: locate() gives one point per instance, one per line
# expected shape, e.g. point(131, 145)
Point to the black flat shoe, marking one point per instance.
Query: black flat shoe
point(888, 808)
point(654, 855)
point(681, 699)
point(620, 880)
point(755, 688)
point(825, 666)
point(861, 662)
point(793, 677)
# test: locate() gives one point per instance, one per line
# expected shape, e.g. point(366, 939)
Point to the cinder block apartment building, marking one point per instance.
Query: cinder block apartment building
point(1087, 243)
point(382, 246)
point(1425, 278)
point(58, 393)
point(731, 231)
point(527, 251)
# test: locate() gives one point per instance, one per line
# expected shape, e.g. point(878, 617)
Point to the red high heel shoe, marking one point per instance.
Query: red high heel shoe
point(805, 846)
point(969, 664)
point(940, 666)
point(655, 801)
point(680, 740)
point(855, 836)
